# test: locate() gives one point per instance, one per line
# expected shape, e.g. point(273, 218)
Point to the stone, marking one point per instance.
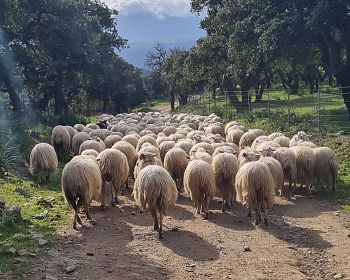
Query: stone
point(70, 268)
point(175, 229)
point(246, 249)
point(42, 242)
point(23, 252)
point(13, 211)
point(338, 276)
point(132, 213)
point(11, 251)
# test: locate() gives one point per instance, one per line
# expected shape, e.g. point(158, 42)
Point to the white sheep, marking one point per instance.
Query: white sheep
point(327, 167)
point(43, 161)
point(155, 191)
point(199, 182)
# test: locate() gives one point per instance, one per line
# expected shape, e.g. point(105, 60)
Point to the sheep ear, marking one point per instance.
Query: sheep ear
point(98, 159)
point(142, 156)
point(154, 155)
point(272, 149)
point(188, 157)
point(245, 154)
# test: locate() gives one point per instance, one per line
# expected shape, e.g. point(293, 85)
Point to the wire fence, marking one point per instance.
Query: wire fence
point(324, 110)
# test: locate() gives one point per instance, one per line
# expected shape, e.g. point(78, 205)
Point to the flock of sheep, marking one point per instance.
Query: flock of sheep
point(164, 153)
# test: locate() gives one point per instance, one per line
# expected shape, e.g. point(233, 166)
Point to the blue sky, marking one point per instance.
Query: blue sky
point(147, 22)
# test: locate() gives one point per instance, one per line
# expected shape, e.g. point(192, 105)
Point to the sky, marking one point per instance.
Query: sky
point(147, 22)
point(158, 8)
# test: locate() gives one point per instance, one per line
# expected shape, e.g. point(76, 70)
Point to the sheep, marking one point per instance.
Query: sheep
point(114, 169)
point(267, 144)
point(176, 161)
point(155, 191)
point(283, 141)
point(247, 155)
point(206, 146)
point(234, 135)
point(60, 140)
point(199, 182)
point(274, 135)
point(77, 140)
point(201, 154)
point(254, 189)
point(230, 124)
point(72, 131)
point(169, 130)
point(214, 129)
point(79, 127)
point(176, 137)
point(132, 139)
point(276, 172)
point(92, 126)
point(164, 147)
point(327, 167)
point(286, 158)
point(259, 140)
point(43, 161)
point(225, 168)
point(146, 139)
point(129, 151)
point(305, 162)
point(301, 136)
point(185, 145)
point(225, 149)
point(307, 144)
point(143, 160)
point(92, 144)
point(100, 133)
point(90, 152)
point(81, 182)
point(258, 132)
point(111, 140)
point(247, 140)
point(150, 149)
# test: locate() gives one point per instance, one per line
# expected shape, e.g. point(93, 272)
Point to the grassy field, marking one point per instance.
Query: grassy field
point(42, 212)
point(153, 106)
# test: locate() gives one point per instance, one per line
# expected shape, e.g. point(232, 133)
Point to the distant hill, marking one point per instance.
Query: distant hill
point(143, 31)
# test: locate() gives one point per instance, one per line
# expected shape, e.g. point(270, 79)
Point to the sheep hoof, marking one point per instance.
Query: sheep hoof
point(156, 227)
point(206, 217)
point(160, 235)
point(103, 207)
point(198, 212)
point(249, 214)
point(223, 210)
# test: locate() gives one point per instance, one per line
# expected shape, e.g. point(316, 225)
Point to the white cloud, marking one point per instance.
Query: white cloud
point(158, 8)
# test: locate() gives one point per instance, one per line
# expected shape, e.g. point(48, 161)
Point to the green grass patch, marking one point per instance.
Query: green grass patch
point(153, 106)
point(43, 211)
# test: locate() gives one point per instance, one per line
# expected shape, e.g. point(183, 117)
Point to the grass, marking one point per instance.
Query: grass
point(153, 106)
point(22, 233)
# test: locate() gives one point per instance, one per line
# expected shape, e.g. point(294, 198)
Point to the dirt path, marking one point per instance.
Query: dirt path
point(306, 239)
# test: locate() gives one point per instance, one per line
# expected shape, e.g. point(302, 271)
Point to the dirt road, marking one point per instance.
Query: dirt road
point(306, 239)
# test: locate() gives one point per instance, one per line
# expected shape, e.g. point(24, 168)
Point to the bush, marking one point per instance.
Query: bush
point(66, 119)
point(8, 152)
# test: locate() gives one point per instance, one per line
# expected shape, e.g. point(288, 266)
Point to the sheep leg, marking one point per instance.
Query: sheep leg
point(160, 224)
point(257, 215)
point(207, 207)
point(114, 195)
point(249, 213)
point(76, 219)
point(266, 222)
point(103, 191)
point(155, 220)
point(223, 205)
point(199, 204)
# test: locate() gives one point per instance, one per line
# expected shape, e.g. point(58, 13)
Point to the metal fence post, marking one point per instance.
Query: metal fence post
point(209, 101)
point(268, 104)
point(226, 99)
point(318, 112)
point(288, 108)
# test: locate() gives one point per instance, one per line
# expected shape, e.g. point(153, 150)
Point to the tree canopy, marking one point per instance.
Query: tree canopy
point(55, 55)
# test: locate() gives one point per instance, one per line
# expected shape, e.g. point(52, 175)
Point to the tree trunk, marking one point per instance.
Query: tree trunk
point(172, 100)
point(344, 80)
point(14, 97)
point(245, 95)
point(183, 100)
point(227, 85)
point(58, 93)
point(259, 90)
